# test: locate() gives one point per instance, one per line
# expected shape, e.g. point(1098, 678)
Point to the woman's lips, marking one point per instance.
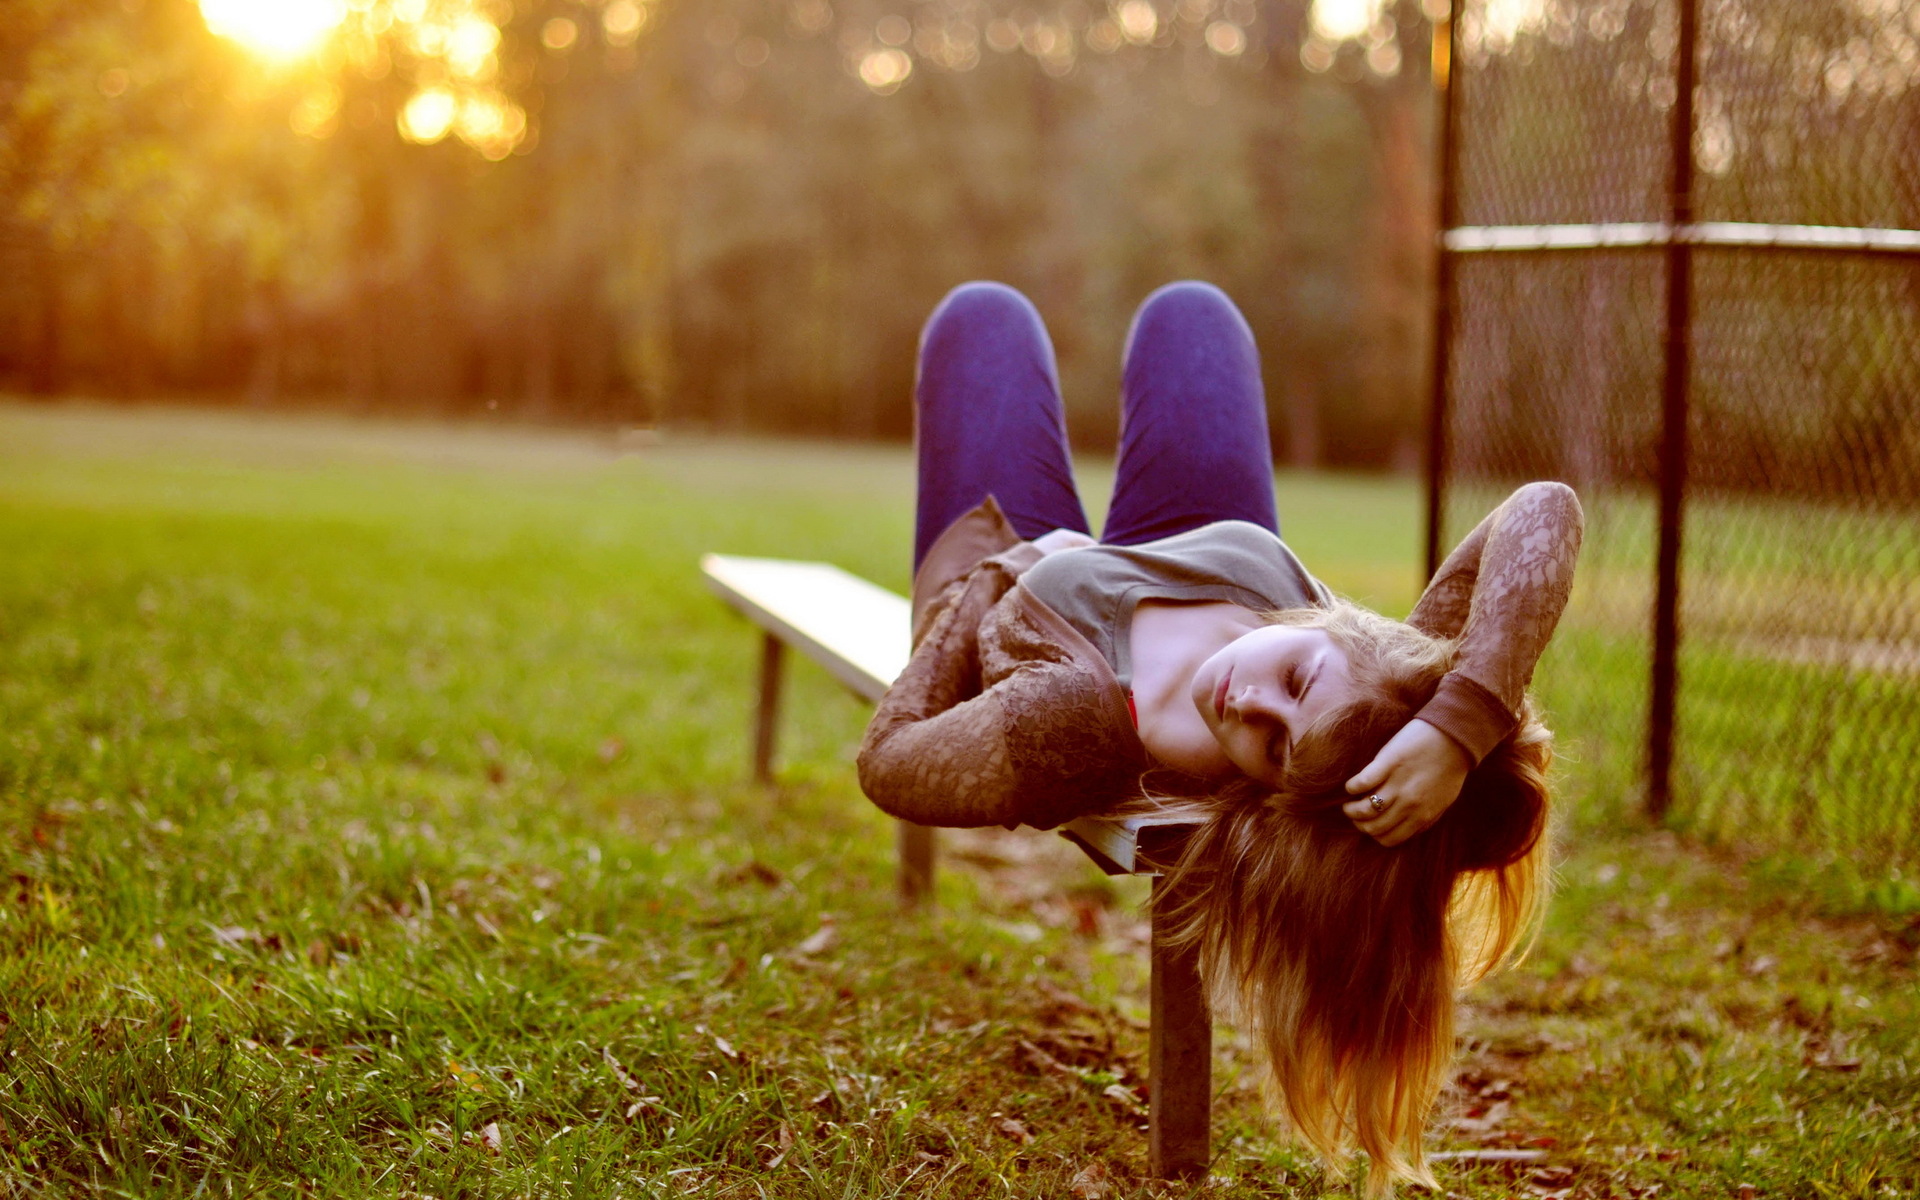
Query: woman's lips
point(1220, 696)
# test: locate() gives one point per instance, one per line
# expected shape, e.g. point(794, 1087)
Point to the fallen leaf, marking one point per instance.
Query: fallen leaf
point(725, 1047)
point(1091, 1182)
point(644, 1104)
point(823, 940)
point(1016, 1130)
point(464, 1077)
point(1123, 1096)
point(490, 1136)
point(1748, 1191)
point(782, 1143)
point(1086, 919)
point(317, 953)
point(1873, 951)
point(1828, 1052)
point(755, 871)
point(232, 935)
point(619, 1072)
point(1039, 1060)
point(1762, 964)
point(1483, 1119)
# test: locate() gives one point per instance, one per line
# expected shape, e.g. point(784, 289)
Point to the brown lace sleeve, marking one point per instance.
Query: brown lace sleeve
point(1501, 593)
point(935, 752)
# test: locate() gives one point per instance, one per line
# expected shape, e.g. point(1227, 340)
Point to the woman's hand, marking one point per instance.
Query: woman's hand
point(1061, 539)
point(1416, 775)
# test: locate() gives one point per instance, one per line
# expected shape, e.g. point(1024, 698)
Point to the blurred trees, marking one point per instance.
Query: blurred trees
point(732, 213)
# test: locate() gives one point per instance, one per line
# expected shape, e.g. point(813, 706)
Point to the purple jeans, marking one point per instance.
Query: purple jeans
point(989, 419)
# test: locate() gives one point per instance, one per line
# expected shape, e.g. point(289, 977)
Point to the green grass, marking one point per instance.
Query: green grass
point(1799, 683)
point(373, 821)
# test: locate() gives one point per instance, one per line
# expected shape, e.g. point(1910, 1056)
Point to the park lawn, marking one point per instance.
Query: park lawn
point(1799, 680)
point(373, 821)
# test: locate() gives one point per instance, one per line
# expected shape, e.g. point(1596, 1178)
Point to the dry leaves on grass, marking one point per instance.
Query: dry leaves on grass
point(1828, 1052)
point(1124, 1096)
point(755, 871)
point(1015, 1129)
point(782, 1144)
point(619, 1072)
point(823, 939)
point(1092, 1183)
point(471, 1080)
point(1488, 1105)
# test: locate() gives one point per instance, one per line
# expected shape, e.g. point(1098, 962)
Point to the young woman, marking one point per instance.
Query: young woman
point(1373, 792)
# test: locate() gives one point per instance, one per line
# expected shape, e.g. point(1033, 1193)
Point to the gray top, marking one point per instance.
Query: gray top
point(1096, 588)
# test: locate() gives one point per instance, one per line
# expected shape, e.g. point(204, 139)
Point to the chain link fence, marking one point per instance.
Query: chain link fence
point(1681, 272)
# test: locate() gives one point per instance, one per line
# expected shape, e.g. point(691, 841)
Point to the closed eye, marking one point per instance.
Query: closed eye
point(1277, 749)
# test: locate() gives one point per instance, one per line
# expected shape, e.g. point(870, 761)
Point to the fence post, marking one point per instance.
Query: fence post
point(1447, 218)
point(1678, 352)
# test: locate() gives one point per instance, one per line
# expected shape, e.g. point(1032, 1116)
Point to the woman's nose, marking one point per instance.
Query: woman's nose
point(1253, 702)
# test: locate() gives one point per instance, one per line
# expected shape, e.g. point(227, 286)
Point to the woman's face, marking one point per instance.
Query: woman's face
point(1259, 691)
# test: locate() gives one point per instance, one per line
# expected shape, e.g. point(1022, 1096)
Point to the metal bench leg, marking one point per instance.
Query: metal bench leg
point(773, 661)
point(1179, 1063)
point(916, 864)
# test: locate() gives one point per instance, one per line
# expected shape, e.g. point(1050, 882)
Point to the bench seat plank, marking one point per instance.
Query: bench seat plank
point(859, 631)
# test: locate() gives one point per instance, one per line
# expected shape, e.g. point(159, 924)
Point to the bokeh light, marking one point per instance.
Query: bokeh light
point(470, 45)
point(623, 20)
point(428, 116)
point(885, 70)
point(893, 29)
point(317, 115)
point(1226, 39)
point(1343, 20)
point(1138, 20)
point(279, 30)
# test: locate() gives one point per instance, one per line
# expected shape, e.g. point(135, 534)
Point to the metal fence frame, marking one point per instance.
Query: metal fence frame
point(1675, 239)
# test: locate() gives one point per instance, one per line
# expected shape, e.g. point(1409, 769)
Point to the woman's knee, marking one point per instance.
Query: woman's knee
point(1187, 308)
point(980, 307)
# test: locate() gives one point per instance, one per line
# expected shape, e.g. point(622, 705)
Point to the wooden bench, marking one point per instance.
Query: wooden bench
point(860, 632)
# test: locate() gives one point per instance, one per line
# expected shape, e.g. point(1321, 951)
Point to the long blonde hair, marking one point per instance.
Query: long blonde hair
point(1340, 956)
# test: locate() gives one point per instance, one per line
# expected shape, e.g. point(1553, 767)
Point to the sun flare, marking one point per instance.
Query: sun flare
point(280, 30)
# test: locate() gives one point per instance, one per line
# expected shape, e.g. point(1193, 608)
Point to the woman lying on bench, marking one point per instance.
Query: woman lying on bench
point(1373, 793)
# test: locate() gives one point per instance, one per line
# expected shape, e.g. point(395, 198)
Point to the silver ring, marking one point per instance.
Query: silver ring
point(1378, 805)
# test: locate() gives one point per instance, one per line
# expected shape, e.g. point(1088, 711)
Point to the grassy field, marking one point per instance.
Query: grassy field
point(1799, 683)
point(373, 821)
